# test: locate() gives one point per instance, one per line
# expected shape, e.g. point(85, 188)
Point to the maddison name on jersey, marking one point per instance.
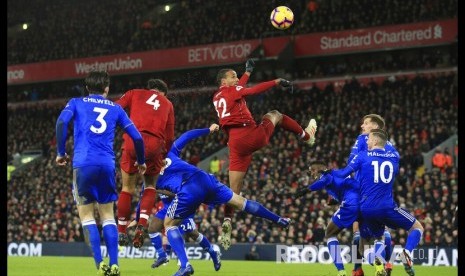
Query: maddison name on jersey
point(387, 154)
point(99, 101)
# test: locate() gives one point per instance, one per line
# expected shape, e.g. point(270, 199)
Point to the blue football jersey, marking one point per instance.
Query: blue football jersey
point(377, 170)
point(342, 189)
point(176, 170)
point(362, 145)
point(95, 121)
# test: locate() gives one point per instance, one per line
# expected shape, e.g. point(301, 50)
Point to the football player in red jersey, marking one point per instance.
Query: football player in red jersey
point(245, 135)
point(153, 115)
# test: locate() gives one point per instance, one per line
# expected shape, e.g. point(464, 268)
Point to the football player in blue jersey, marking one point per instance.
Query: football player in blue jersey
point(377, 168)
point(369, 122)
point(187, 228)
point(192, 187)
point(343, 190)
point(94, 175)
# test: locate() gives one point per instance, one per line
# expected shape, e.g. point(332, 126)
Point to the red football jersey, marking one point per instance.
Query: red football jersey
point(151, 112)
point(231, 106)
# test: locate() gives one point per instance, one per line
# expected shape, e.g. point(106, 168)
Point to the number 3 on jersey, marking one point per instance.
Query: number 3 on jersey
point(153, 101)
point(103, 124)
point(221, 105)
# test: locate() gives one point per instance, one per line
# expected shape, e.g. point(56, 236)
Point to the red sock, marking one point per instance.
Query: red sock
point(124, 210)
point(290, 124)
point(146, 204)
point(228, 211)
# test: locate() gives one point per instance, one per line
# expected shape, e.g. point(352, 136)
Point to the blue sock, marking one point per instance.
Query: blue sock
point(177, 243)
point(204, 243)
point(92, 235)
point(155, 238)
point(387, 243)
point(355, 243)
point(335, 252)
point(379, 250)
point(413, 239)
point(110, 234)
point(256, 209)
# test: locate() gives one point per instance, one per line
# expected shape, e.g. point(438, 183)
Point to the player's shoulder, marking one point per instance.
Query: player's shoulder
point(362, 136)
point(227, 90)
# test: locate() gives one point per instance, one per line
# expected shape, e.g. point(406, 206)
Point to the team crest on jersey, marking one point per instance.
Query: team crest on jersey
point(167, 164)
point(239, 87)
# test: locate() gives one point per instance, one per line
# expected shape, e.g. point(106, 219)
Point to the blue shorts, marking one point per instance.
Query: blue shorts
point(345, 216)
point(200, 188)
point(94, 184)
point(374, 221)
point(186, 226)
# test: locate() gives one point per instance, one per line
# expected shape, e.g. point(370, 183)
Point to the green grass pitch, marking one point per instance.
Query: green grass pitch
point(81, 266)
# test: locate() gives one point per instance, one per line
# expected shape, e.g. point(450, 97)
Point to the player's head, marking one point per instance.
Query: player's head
point(377, 138)
point(157, 84)
point(315, 169)
point(98, 82)
point(227, 77)
point(372, 121)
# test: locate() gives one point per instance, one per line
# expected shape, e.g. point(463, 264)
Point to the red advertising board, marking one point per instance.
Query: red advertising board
point(176, 58)
point(384, 37)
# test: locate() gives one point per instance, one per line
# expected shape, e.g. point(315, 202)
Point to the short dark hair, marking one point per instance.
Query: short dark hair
point(377, 119)
point(97, 81)
point(222, 74)
point(381, 134)
point(318, 162)
point(157, 84)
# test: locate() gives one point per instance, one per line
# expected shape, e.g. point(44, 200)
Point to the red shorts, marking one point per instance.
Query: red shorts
point(154, 154)
point(243, 142)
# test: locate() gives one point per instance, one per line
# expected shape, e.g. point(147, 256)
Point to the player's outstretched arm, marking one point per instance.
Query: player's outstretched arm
point(190, 135)
point(319, 184)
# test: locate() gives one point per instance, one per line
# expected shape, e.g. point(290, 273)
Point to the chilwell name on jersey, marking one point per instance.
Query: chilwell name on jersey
point(387, 154)
point(99, 101)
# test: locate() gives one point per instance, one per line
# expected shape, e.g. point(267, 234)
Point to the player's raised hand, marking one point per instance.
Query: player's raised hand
point(141, 167)
point(214, 127)
point(62, 160)
point(283, 83)
point(249, 65)
point(301, 192)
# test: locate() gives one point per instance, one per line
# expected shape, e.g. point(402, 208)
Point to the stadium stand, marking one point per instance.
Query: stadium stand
point(420, 112)
point(133, 27)
point(41, 197)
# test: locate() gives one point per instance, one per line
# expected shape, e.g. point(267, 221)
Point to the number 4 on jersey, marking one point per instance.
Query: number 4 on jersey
point(153, 101)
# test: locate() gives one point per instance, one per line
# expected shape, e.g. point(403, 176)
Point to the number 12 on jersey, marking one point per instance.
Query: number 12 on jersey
point(221, 104)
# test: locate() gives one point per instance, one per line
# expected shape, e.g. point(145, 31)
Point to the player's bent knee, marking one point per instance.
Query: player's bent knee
point(237, 201)
point(156, 225)
point(193, 235)
point(274, 116)
point(417, 225)
point(106, 211)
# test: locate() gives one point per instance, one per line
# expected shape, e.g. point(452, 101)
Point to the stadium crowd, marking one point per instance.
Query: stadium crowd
point(420, 113)
point(64, 30)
